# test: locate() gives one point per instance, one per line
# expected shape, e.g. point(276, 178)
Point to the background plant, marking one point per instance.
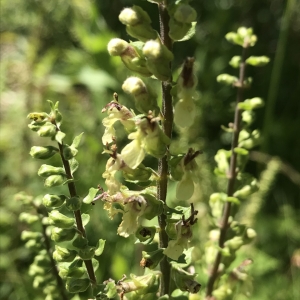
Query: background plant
point(65, 66)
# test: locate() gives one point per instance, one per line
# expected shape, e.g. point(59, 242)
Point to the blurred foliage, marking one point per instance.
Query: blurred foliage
point(57, 50)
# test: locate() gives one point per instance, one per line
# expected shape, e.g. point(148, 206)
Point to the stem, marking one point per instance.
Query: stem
point(231, 177)
point(58, 279)
point(167, 124)
point(77, 213)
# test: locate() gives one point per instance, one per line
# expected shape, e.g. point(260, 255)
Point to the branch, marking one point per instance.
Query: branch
point(231, 176)
point(77, 213)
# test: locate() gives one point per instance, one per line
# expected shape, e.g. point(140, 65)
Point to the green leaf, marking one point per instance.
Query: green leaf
point(91, 195)
point(100, 247)
point(51, 104)
point(77, 140)
point(60, 136)
point(85, 219)
point(190, 33)
point(95, 264)
point(73, 165)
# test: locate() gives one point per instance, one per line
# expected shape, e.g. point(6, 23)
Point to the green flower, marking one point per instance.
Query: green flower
point(116, 112)
point(175, 247)
point(148, 139)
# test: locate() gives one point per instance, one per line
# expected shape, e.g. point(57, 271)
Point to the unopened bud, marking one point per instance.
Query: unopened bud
point(48, 170)
point(137, 23)
point(54, 180)
point(30, 235)
point(235, 243)
point(63, 255)
point(50, 200)
point(43, 152)
point(62, 235)
point(235, 61)
point(250, 104)
point(38, 117)
point(28, 218)
point(74, 272)
point(60, 220)
point(257, 61)
point(116, 47)
point(47, 130)
point(227, 79)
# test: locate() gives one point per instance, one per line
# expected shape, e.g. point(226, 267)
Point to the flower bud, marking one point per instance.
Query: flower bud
point(158, 59)
point(184, 280)
point(235, 61)
point(73, 203)
point(48, 170)
point(151, 259)
point(145, 97)
point(184, 13)
point(43, 152)
point(235, 243)
point(137, 23)
point(63, 255)
point(33, 245)
point(227, 79)
point(75, 272)
point(42, 259)
point(47, 130)
point(69, 152)
point(257, 61)
point(30, 235)
point(50, 200)
point(54, 180)
point(77, 285)
point(244, 37)
point(61, 221)
point(140, 174)
point(62, 235)
point(28, 218)
point(251, 233)
point(116, 47)
point(250, 104)
point(38, 117)
point(141, 284)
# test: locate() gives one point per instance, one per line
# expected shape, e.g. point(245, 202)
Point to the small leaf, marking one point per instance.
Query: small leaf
point(74, 165)
point(60, 136)
point(241, 151)
point(51, 104)
point(190, 33)
point(90, 197)
point(100, 247)
point(85, 219)
point(76, 140)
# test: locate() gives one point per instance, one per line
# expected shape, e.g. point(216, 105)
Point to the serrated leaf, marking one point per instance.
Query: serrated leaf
point(91, 195)
point(73, 165)
point(100, 247)
point(60, 136)
point(190, 33)
point(77, 140)
point(85, 219)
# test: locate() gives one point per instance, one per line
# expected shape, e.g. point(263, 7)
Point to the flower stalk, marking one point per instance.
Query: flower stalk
point(167, 125)
point(232, 173)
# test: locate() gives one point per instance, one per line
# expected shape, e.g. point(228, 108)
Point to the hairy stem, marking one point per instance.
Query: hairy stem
point(231, 177)
point(162, 185)
point(77, 213)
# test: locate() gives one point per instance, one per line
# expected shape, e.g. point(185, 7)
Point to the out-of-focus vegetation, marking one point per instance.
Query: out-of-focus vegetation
point(57, 50)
